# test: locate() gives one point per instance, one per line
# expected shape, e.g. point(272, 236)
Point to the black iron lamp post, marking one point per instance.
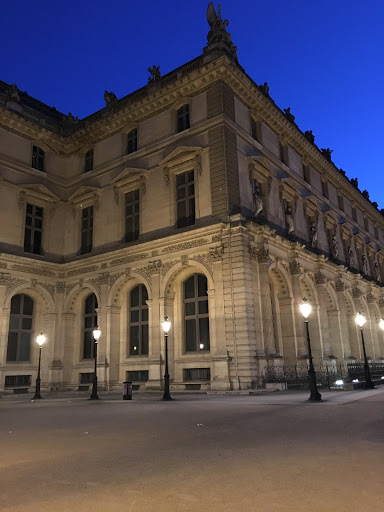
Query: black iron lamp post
point(315, 396)
point(96, 336)
point(360, 320)
point(166, 325)
point(40, 340)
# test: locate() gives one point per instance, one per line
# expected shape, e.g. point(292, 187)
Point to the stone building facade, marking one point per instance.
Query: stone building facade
point(194, 197)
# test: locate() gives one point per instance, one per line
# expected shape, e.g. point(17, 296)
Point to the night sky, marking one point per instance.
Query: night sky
point(324, 59)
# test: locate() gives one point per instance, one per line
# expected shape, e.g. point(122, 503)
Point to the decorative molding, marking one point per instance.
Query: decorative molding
point(143, 184)
point(166, 174)
point(116, 194)
point(216, 253)
point(356, 293)
point(370, 298)
point(60, 287)
point(294, 268)
point(22, 199)
point(10, 282)
point(166, 266)
point(33, 270)
point(82, 270)
point(262, 255)
point(184, 260)
point(114, 277)
point(340, 286)
point(198, 167)
point(320, 278)
point(129, 259)
point(69, 287)
point(205, 259)
point(49, 287)
point(185, 245)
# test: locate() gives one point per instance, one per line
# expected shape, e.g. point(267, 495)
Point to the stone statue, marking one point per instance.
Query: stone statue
point(218, 37)
point(335, 247)
point(342, 172)
point(288, 115)
point(289, 220)
point(354, 182)
point(365, 264)
point(110, 99)
point(155, 72)
point(351, 257)
point(377, 272)
point(309, 136)
point(12, 93)
point(327, 153)
point(70, 120)
point(313, 231)
point(365, 194)
point(257, 198)
point(264, 88)
point(374, 203)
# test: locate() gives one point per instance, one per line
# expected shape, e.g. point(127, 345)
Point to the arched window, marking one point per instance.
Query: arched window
point(20, 328)
point(138, 321)
point(90, 323)
point(196, 315)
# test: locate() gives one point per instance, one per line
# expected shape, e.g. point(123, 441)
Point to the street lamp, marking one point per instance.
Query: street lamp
point(315, 396)
point(381, 324)
point(360, 320)
point(96, 335)
point(166, 325)
point(40, 340)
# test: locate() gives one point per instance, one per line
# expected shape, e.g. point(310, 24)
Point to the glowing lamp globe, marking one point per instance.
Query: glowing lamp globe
point(360, 319)
point(166, 325)
point(305, 308)
point(40, 340)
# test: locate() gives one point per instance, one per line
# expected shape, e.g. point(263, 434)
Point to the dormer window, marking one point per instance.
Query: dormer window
point(132, 141)
point(183, 118)
point(37, 158)
point(88, 161)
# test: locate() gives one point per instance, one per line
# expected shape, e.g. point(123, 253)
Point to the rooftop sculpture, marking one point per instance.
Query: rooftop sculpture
point(218, 37)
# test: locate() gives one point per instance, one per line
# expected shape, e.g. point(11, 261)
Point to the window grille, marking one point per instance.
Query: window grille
point(196, 315)
point(20, 328)
point(88, 161)
point(89, 324)
point(132, 141)
point(87, 230)
point(37, 158)
point(138, 321)
point(132, 215)
point(196, 374)
point(185, 199)
point(137, 376)
point(183, 118)
point(33, 232)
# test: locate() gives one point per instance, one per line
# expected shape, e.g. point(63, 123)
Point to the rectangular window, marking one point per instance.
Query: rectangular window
point(137, 376)
point(37, 158)
point(88, 161)
point(132, 142)
point(87, 230)
point(33, 232)
point(183, 118)
point(194, 374)
point(17, 381)
point(185, 199)
point(324, 186)
point(132, 215)
point(86, 378)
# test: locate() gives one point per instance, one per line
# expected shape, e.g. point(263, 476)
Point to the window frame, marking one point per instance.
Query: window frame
point(94, 316)
point(21, 316)
point(38, 158)
point(33, 229)
point(183, 117)
point(132, 141)
point(140, 323)
point(134, 216)
point(88, 160)
point(87, 232)
point(196, 316)
point(186, 199)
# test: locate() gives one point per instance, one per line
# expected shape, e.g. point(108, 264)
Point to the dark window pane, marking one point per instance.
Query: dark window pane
point(204, 332)
point(28, 305)
point(144, 315)
point(134, 316)
point(39, 211)
point(88, 341)
point(37, 242)
point(15, 304)
point(88, 322)
point(26, 324)
point(144, 340)
point(180, 179)
point(181, 212)
point(135, 297)
point(25, 342)
point(89, 304)
point(29, 208)
point(203, 307)
point(12, 346)
point(189, 288)
point(144, 295)
point(14, 322)
point(202, 285)
point(191, 176)
point(181, 193)
point(190, 335)
point(134, 340)
point(189, 308)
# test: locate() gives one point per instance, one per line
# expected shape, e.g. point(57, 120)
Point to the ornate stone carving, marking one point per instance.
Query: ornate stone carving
point(340, 286)
point(356, 293)
point(96, 200)
point(218, 37)
point(216, 253)
point(143, 184)
point(69, 287)
point(82, 270)
point(167, 265)
point(309, 136)
point(110, 99)
point(377, 272)
point(10, 282)
point(185, 245)
point(3, 264)
point(370, 298)
point(60, 287)
point(155, 253)
point(264, 88)
point(155, 72)
point(262, 255)
point(116, 194)
point(313, 231)
point(33, 270)
point(217, 238)
point(198, 167)
point(320, 278)
point(12, 94)
point(49, 287)
point(381, 303)
point(258, 197)
point(327, 153)
point(184, 260)
point(129, 259)
point(289, 220)
point(114, 277)
point(294, 268)
point(290, 117)
point(204, 259)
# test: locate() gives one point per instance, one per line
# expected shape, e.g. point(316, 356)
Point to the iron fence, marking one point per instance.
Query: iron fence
point(296, 376)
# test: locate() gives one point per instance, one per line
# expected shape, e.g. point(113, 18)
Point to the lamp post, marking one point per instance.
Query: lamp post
point(40, 340)
point(96, 335)
point(166, 325)
point(315, 396)
point(360, 320)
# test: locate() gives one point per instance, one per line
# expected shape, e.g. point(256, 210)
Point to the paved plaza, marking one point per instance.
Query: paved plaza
point(270, 452)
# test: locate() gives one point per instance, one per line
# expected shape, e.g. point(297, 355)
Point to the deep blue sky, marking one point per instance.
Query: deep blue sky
point(324, 59)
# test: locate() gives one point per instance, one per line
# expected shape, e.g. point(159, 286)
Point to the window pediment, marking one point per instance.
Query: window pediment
point(40, 192)
point(181, 155)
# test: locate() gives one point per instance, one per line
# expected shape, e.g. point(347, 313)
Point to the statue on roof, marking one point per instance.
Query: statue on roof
point(218, 37)
point(264, 88)
point(155, 72)
point(110, 99)
point(354, 182)
point(288, 115)
point(309, 136)
point(12, 93)
point(327, 153)
point(365, 194)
